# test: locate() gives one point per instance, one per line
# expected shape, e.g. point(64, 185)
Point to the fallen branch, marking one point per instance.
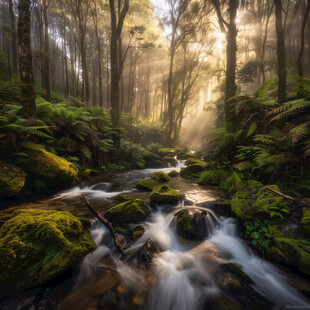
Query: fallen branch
point(106, 223)
point(298, 201)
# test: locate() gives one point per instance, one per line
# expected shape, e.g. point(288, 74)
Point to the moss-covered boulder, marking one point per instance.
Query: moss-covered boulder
point(165, 194)
point(191, 169)
point(149, 156)
point(133, 211)
point(173, 173)
point(53, 168)
point(255, 200)
point(170, 160)
point(12, 180)
point(192, 224)
point(161, 177)
point(137, 232)
point(36, 245)
point(195, 160)
point(155, 164)
point(162, 152)
point(292, 252)
point(147, 184)
point(305, 221)
point(123, 197)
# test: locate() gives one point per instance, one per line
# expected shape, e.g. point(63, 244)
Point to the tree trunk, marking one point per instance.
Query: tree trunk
point(280, 52)
point(13, 37)
point(231, 58)
point(27, 98)
point(46, 62)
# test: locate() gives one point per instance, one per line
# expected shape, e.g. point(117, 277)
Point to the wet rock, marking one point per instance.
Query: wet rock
point(109, 301)
point(123, 198)
point(181, 155)
point(255, 200)
point(220, 207)
point(237, 271)
point(222, 303)
point(173, 173)
point(162, 152)
point(161, 177)
point(133, 211)
point(87, 173)
point(36, 246)
point(305, 222)
point(192, 224)
point(192, 169)
point(155, 164)
point(104, 283)
point(12, 180)
point(147, 184)
point(52, 168)
point(170, 160)
point(137, 232)
point(165, 194)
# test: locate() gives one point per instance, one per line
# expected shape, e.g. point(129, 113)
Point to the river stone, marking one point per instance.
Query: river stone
point(12, 180)
point(191, 224)
point(36, 246)
point(160, 177)
point(133, 211)
point(147, 184)
point(165, 194)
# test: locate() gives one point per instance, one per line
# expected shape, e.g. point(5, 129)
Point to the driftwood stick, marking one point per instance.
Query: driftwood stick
point(299, 201)
point(106, 223)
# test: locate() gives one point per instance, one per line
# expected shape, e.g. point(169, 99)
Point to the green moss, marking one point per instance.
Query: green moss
point(37, 245)
point(185, 227)
point(305, 221)
point(191, 169)
point(165, 194)
point(147, 184)
point(161, 177)
point(137, 232)
point(149, 156)
point(52, 167)
point(170, 160)
point(292, 252)
point(133, 211)
point(274, 231)
point(86, 174)
point(155, 164)
point(195, 160)
point(12, 180)
point(123, 197)
point(167, 152)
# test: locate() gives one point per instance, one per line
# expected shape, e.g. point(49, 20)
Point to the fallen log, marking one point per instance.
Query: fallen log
point(105, 222)
point(298, 201)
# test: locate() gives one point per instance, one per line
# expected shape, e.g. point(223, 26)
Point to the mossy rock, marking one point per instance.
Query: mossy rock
point(222, 206)
point(195, 160)
point(305, 221)
point(161, 177)
point(123, 198)
point(147, 184)
point(173, 173)
point(149, 156)
point(192, 169)
point(155, 164)
point(133, 211)
point(255, 200)
point(52, 167)
point(37, 245)
point(12, 180)
point(192, 225)
point(292, 252)
point(137, 232)
point(86, 174)
point(165, 194)
point(237, 271)
point(222, 303)
point(162, 152)
point(170, 160)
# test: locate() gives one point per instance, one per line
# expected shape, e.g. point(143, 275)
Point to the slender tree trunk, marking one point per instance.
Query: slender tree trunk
point(302, 40)
point(231, 58)
point(13, 37)
point(99, 68)
point(66, 61)
point(280, 52)
point(46, 62)
point(27, 98)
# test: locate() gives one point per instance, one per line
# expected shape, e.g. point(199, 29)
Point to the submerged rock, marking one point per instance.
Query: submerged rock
point(165, 194)
point(147, 184)
point(192, 224)
point(53, 168)
point(12, 180)
point(36, 246)
point(161, 177)
point(133, 211)
point(255, 200)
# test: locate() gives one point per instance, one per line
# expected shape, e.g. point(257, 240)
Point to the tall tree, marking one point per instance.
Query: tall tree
point(280, 52)
point(13, 37)
point(116, 31)
point(27, 98)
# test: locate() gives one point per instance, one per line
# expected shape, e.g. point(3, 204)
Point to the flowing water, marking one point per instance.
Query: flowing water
point(182, 274)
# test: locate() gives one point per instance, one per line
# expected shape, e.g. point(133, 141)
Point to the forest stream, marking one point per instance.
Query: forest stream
point(167, 272)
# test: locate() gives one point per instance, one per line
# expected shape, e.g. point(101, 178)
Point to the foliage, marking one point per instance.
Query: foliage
point(258, 233)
